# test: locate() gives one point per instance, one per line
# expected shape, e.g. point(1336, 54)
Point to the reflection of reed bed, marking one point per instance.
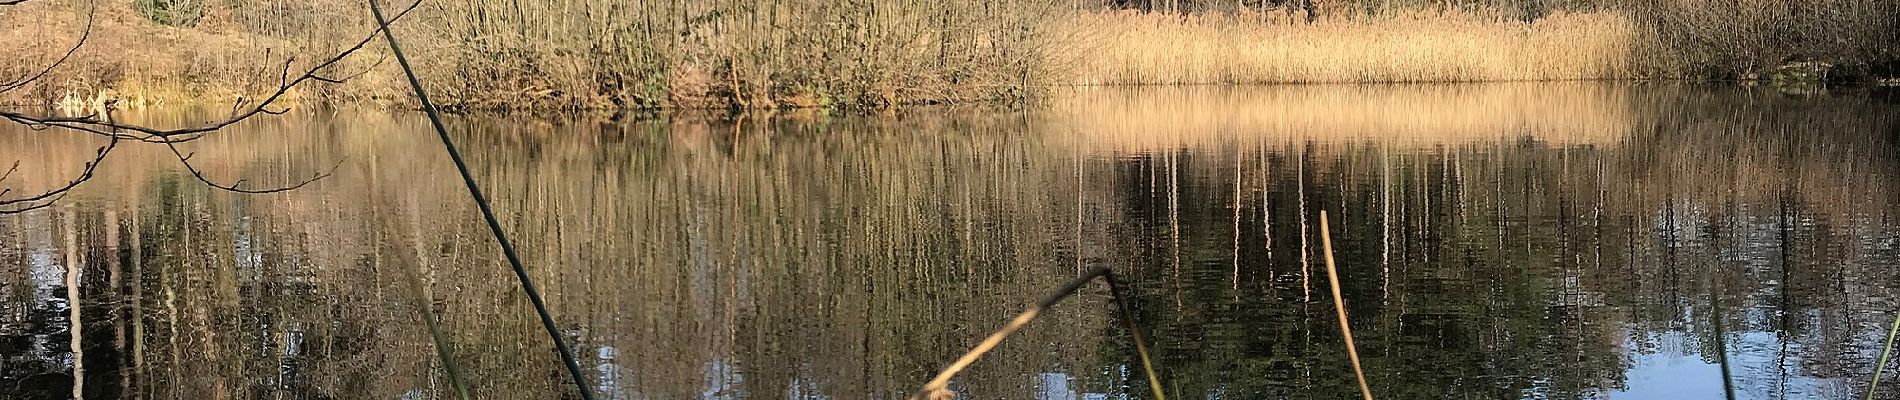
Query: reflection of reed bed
point(1652, 141)
point(1133, 119)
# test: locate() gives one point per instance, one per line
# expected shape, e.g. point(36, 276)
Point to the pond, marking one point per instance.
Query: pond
point(1551, 240)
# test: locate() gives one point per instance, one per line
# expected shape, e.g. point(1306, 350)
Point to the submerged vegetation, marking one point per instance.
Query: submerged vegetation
point(485, 54)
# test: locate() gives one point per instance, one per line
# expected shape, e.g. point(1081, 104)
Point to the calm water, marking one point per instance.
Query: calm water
point(1495, 241)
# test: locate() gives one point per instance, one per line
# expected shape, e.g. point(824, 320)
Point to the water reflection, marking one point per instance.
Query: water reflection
point(1495, 241)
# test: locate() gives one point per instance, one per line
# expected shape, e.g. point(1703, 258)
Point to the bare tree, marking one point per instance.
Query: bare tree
point(114, 132)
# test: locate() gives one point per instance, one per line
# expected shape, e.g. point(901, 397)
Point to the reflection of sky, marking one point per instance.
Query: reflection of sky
point(1756, 364)
point(1671, 374)
point(1054, 386)
point(722, 381)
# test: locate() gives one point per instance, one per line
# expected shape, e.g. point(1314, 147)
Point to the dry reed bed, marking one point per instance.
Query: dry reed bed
point(1139, 48)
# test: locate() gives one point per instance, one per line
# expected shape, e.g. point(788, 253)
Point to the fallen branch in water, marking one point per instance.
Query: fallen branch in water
point(938, 388)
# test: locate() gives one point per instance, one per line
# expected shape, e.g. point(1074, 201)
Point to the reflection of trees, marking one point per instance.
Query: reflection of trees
point(849, 261)
point(817, 262)
point(852, 257)
point(1523, 267)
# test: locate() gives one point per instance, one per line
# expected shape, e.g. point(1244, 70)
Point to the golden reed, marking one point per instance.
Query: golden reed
point(1119, 48)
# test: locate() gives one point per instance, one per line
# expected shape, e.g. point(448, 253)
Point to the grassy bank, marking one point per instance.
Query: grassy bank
point(488, 54)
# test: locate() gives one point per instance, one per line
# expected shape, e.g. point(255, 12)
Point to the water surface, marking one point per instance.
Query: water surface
point(1494, 241)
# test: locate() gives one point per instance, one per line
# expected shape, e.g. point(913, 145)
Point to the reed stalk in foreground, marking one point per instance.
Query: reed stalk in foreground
point(481, 202)
point(1339, 303)
point(1885, 351)
point(938, 387)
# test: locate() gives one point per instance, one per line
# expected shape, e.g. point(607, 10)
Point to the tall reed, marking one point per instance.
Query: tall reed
point(1885, 351)
point(1339, 304)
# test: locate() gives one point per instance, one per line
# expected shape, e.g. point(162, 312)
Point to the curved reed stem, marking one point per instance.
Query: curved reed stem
point(938, 387)
point(1885, 351)
point(1339, 303)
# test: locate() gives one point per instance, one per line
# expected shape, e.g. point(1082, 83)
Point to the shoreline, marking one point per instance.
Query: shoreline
point(1045, 94)
point(137, 60)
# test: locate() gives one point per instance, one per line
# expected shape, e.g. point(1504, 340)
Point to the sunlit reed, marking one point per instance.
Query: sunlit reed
point(1339, 304)
point(1885, 352)
point(1400, 46)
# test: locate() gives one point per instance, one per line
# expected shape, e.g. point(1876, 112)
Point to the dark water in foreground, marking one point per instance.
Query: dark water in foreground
point(1500, 241)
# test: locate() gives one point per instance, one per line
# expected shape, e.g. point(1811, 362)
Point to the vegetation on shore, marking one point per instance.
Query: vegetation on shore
point(483, 54)
point(1246, 47)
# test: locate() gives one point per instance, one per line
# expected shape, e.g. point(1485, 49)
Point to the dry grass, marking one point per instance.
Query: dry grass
point(138, 62)
point(1144, 48)
point(740, 53)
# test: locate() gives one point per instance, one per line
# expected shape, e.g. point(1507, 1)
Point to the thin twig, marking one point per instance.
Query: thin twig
point(48, 197)
point(185, 159)
point(1339, 303)
point(91, 10)
point(9, 173)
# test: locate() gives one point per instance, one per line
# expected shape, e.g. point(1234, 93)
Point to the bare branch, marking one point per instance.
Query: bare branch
point(40, 205)
point(3, 177)
point(46, 198)
point(380, 59)
point(185, 159)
